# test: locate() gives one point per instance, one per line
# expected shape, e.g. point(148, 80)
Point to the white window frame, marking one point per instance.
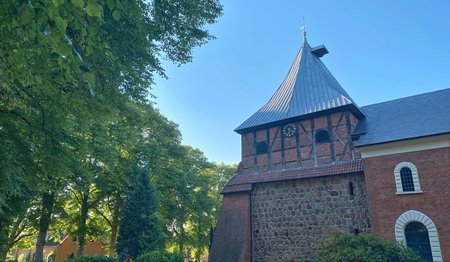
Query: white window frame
point(416, 216)
point(398, 180)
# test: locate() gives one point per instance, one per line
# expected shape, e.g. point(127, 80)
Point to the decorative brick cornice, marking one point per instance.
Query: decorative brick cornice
point(237, 188)
point(243, 182)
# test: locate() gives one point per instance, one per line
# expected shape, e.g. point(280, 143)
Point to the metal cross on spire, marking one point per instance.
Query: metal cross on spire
point(303, 28)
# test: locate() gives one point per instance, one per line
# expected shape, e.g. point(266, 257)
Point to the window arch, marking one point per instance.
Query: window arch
point(322, 136)
point(413, 221)
point(417, 238)
point(406, 178)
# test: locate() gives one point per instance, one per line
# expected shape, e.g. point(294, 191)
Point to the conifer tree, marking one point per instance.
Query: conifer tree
point(139, 229)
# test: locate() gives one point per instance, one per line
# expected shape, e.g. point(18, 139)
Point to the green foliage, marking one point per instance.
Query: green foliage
point(75, 120)
point(92, 259)
point(23, 257)
point(189, 190)
point(363, 248)
point(140, 229)
point(159, 256)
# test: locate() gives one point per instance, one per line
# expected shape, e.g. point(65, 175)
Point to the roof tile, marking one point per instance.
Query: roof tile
point(405, 118)
point(330, 169)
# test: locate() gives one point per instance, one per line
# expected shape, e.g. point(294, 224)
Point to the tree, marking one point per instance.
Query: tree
point(142, 137)
point(364, 248)
point(189, 187)
point(63, 66)
point(140, 228)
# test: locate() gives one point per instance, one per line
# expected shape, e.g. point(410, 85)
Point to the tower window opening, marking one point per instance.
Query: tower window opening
point(261, 148)
point(322, 136)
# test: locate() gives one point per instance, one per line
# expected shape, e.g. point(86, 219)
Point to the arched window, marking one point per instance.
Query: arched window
point(261, 148)
point(416, 230)
point(322, 136)
point(417, 238)
point(406, 178)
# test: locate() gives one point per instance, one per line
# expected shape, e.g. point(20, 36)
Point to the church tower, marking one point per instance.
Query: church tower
point(300, 178)
point(307, 122)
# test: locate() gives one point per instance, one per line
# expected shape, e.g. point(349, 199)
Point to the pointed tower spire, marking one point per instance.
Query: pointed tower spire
point(303, 28)
point(308, 90)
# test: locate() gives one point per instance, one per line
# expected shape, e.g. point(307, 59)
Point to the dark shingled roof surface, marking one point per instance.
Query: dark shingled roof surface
point(406, 118)
point(242, 182)
point(308, 88)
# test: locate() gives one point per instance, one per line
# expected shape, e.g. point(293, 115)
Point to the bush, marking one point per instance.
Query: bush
point(159, 256)
point(92, 259)
point(363, 248)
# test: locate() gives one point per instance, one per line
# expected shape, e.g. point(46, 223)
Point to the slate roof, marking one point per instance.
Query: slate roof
point(308, 88)
point(243, 182)
point(405, 118)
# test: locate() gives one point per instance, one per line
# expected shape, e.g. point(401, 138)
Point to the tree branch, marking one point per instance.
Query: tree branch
point(104, 216)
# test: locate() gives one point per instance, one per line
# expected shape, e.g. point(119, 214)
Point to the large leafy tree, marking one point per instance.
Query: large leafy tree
point(190, 186)
point(140, 136)
point(63, 66)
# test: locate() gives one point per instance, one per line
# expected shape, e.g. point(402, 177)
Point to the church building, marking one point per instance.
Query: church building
point(315, 164)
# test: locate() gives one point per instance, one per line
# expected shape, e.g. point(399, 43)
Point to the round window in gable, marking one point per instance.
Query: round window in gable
point(261, 148)
point(322, 136)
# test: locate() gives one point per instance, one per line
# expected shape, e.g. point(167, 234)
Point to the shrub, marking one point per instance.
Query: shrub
point(92, 259)
point(363, 248)
point(159, 256)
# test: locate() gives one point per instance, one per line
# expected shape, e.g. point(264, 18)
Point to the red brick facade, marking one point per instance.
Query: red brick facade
point(385, 206)
point(232, 239)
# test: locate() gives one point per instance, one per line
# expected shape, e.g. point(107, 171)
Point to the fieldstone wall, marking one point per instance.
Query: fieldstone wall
point(290, 218)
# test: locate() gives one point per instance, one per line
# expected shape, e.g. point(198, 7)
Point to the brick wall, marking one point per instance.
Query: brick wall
point(232, 236)
point(290, 218)
point(300, 149)
point(386, 206)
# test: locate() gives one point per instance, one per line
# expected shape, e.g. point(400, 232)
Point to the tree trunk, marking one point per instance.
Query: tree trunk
point(181, 243)
point(82, 225)
point(3, 253)
point(181, 240)
point(113, 239)
point(180, 250)
point(3, 239)
point(48, 200)
point(116, 212)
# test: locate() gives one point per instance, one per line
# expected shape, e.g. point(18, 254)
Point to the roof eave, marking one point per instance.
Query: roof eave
point(401, 139)
point(350, 107)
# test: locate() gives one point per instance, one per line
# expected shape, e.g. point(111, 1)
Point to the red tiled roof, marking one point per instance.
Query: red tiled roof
point(237, 188)
point(243, 182)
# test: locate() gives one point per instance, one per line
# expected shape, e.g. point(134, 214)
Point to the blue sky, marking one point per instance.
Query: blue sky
point(379, 51)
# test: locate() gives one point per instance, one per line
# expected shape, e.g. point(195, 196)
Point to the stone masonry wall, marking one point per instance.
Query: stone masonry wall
point(290, 218)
